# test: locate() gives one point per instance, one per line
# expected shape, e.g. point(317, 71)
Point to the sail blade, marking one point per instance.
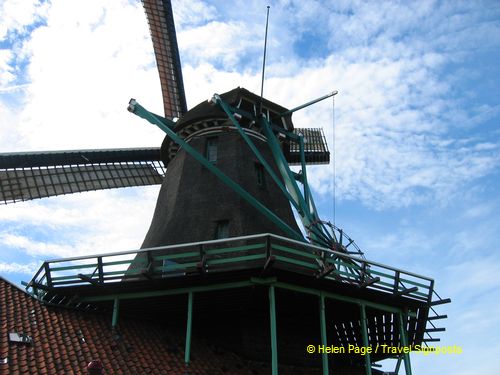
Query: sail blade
point(32, 175)
point(161, 25)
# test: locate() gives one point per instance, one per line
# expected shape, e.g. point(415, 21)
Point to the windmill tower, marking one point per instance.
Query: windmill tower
point(224, 255)
point(195, 205)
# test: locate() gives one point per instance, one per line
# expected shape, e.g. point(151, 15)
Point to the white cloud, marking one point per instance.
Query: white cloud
point(218, 42)
point(24, 268)
point(193, 12)
point(478, 211)
point(476, 275)
point(17, 15)
point(6, 71)
point(79, 224)
point(35, 248)
point(84, 65)
point(393, 110)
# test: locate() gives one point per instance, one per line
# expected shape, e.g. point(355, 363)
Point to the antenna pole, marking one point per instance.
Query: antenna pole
point(264, 62)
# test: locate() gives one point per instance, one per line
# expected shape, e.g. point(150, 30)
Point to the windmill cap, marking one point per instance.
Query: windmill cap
point(207, 110)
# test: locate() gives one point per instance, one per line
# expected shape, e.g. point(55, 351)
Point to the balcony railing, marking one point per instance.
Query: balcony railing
point(263, 251)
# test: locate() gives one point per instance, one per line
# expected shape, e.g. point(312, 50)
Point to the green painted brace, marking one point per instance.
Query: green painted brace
point(230, 113)
point(304, 205)
point(140, 111)
point(309, 219)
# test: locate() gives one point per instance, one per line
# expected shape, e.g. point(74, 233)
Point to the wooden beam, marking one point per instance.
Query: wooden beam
point(88, 279)
point(440, 302)
point(406, 291)
point(370, 282)
point(437, 317)
point(435, 330)
point(269, 263)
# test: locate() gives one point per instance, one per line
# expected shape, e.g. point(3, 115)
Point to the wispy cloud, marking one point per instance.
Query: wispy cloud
point(6, 70)
point(17, 15)
point(396, 117)
point(395, 114)
point(99, 222)
point(23, 268)
point(82, 66)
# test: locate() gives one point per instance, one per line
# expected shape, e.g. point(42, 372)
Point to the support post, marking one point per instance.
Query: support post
point(48, 276)
point(187, 351)
point(324, 340)
point(274, 341)
point(364, 334)
point(100, 271)
point(404, 342)
point(116, 311)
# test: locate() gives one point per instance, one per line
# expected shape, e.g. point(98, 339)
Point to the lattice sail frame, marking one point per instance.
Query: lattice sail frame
point(161, 24)
point(32, 175)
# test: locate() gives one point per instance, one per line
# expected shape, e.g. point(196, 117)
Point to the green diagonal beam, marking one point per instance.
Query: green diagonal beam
point(307, 192)
point(293, 193)
point(307, 217)
point(295, 197)
point(140, 111)
point(229, 111)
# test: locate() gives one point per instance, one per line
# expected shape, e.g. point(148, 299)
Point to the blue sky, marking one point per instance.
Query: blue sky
point(416, 122)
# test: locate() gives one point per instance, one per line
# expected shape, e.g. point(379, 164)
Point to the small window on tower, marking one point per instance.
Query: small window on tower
point(259, 172)
point(211, 151)
point(222, 230)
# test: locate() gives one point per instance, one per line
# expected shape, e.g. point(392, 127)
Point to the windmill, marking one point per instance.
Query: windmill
point(223, 214)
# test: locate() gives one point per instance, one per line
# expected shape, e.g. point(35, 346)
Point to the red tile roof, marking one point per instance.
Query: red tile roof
point(66, 340)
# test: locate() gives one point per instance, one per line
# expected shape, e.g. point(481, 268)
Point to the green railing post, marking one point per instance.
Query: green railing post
point(116, 311)
point(404, 342)
point(100, 271)
point(364, 333)
point(48, 276)
point(274, 342)
point(187, 352)
point(324, 340)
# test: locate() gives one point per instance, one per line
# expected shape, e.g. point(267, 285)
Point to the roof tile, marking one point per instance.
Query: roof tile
point(65, 340)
